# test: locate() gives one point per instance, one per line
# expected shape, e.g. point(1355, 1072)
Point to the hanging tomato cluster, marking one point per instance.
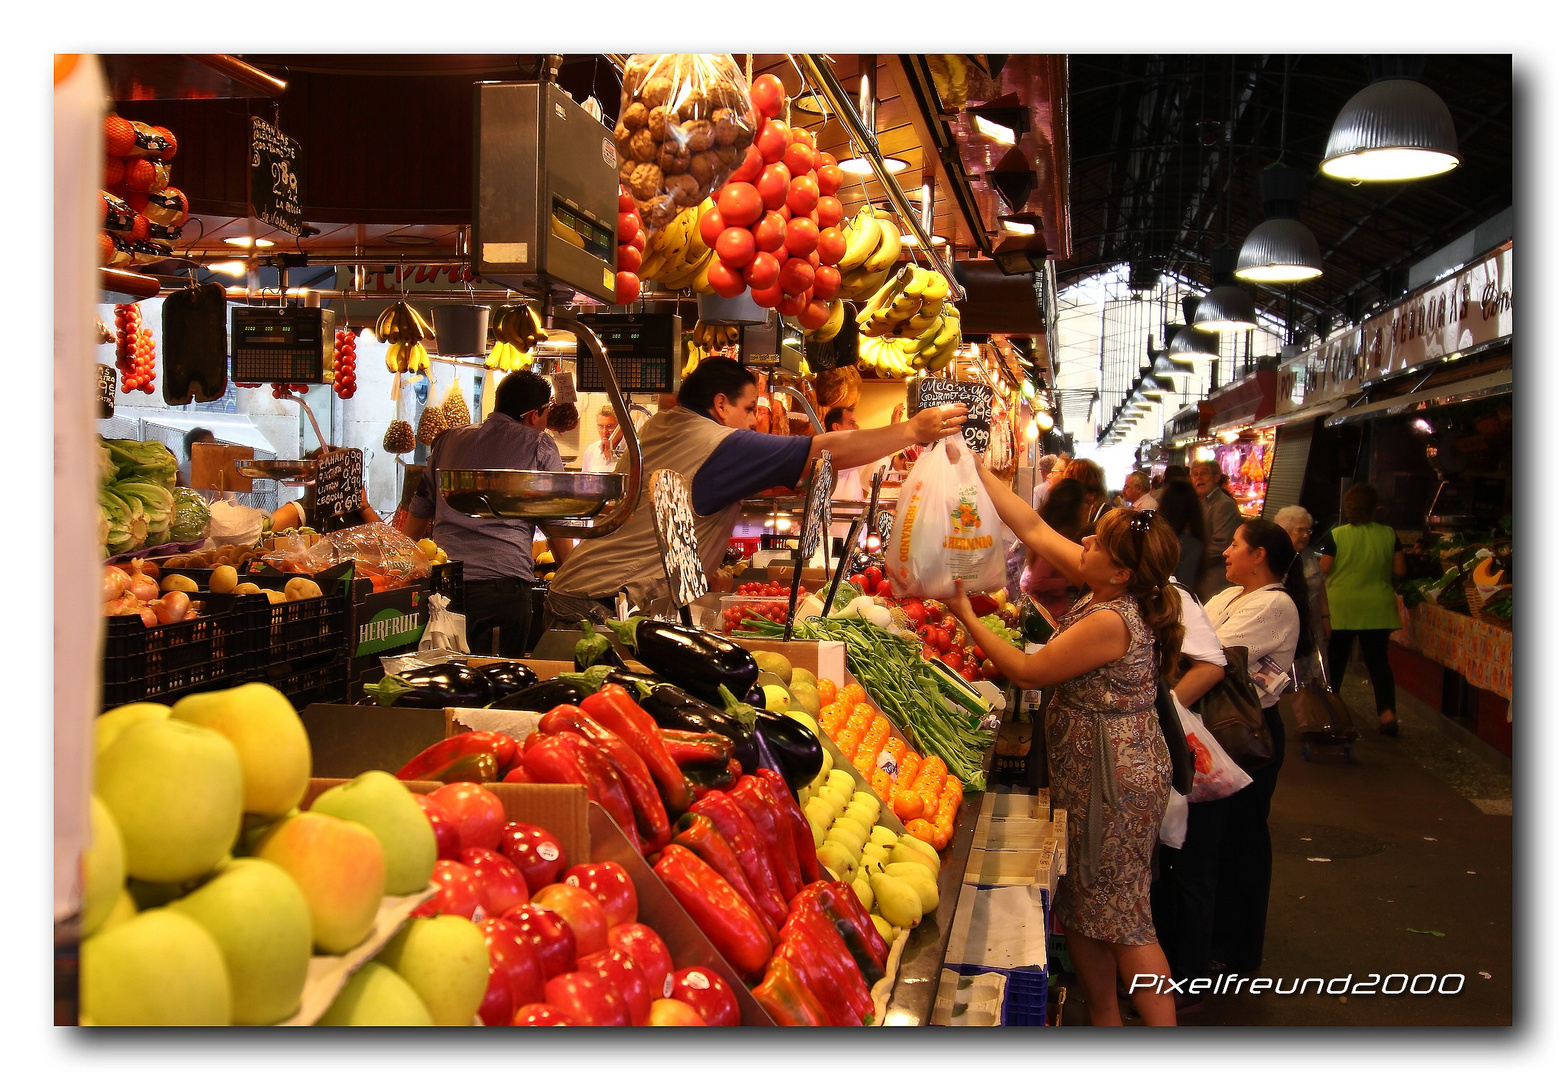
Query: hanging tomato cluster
point(285, 389)
point(134, 353)
point(143, 213)
point(343, 363)
point(775, 225)
point(628, 254)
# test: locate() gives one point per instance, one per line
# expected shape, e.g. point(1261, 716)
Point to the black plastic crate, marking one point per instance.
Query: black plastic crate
point(316, 680)
point(446, 579)
point(161, 663)
point(295, 629)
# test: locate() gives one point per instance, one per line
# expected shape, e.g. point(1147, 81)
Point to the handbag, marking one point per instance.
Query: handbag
point(1182, 759)
point(1232, 713)
point(1319, 713)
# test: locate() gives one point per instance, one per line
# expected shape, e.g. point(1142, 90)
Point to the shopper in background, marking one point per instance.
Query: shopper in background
point(1181, 506)
point(1171, 474)
point(1109, 765)
point(1138, 492)
point(603, 453)
point(192, 437)
point(1095, 492)
point(1223, 517)
point(1360, 560)
point(1045, 472)
point(496, 554)
point(1065, 511)
point(1266, 610)
point(1297, 522)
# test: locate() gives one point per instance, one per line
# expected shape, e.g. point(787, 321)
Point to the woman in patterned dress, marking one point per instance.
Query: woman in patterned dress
point(1109, 766)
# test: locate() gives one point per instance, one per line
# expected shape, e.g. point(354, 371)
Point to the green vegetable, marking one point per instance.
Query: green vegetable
point(191, 520)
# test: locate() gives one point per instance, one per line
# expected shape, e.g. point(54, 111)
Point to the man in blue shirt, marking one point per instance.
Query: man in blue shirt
point(496, 554)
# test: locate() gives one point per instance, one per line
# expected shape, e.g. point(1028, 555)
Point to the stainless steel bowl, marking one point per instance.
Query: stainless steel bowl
point(283, 471)
point(529, 495)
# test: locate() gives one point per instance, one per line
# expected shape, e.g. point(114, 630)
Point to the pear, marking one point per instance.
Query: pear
point(868, 798)
point(778, 698)
point(864, 815)
point(884, 928)
point(910, 840)
point(898, 902)
point(911, 870)
point(838, 859)
point(873, 858)
point(929, 896)
point(842, 782)
point(861, 887)
point(904, 853)
point(883, 836)
point(850, 841)
point(833, 798)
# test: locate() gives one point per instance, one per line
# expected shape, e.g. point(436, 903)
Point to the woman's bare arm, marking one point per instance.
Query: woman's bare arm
point(1065, 555)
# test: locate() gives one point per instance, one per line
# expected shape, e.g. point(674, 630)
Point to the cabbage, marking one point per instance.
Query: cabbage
point(191, 519)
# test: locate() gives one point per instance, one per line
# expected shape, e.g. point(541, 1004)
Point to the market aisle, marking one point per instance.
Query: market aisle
point(1408, 853)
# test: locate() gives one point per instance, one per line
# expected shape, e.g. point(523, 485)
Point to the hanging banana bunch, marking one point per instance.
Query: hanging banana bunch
point(517, 330)
point(403, 330)
point(909, 325)
point(710, 339)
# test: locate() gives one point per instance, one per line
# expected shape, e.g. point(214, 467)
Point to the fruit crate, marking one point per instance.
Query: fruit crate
point(305, 683)
point(1025, 1000)
point(161, 663)
point(294, 630)
point(446, 579)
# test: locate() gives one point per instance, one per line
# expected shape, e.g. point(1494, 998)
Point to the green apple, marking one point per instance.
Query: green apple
point(446, 961)
point(176, 792)
point(122, 911)
point(158, 969)
point(274, 751)
point(103, 868)
point(376, 996)
point(108, 727)
point(339, 867)
point(259, 919)
point(381, 803)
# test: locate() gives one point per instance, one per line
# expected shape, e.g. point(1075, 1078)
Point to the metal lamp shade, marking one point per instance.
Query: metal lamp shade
point(1192, 344)
point(1224, 309)
point(1394, 129)
point(1278, 251)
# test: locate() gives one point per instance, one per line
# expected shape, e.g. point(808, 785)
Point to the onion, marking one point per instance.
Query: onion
point(115, 581)
point(144, 587)
point(148, 618)
point(172, 608)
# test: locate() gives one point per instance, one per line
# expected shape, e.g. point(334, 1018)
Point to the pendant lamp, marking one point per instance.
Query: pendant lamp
point(1394, 129)
point(1226, 308)
point(1189, 344)
point(1281, 250)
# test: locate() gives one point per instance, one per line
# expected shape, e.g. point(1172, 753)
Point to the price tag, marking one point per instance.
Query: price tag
point(977, 396)
point(106, 382)
point(274, 178)
point(339, 483)
point(670, 494)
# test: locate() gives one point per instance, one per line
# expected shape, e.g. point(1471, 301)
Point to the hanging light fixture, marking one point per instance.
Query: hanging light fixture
point(1188, 344)
point(1397, 128)
point(859, 165)
point(1226, 308)
point(1281, 250)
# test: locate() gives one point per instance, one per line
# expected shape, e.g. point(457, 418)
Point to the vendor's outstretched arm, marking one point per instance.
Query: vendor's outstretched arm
point(1064, 555)
point(862, 446)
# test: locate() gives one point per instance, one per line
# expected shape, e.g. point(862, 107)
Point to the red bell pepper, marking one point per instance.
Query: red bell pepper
point(698, 833)
point(427, 763)
point(651, 819)
point(517, 775)
point(777, 837)
point(570, 759)
point(784, 806)
point(811, 942)
point(786, 998)
point(697, 747)
point(477, 768)
point(839, 903)
point(732, 925)
point(615, 709)
point(736, 827)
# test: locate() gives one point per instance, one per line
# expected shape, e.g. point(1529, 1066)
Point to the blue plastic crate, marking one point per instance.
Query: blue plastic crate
point(1026, 1001)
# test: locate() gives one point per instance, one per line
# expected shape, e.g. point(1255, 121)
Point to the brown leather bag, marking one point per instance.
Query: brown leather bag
point(1232, 712)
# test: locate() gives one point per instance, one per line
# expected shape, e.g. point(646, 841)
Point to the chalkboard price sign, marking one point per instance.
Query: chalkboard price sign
point(339, 483)
point(274, 177)
point(977, 396)
point(105, 391)
point(670, 495)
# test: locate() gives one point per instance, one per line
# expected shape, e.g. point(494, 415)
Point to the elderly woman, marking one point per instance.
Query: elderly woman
point(1298, 523)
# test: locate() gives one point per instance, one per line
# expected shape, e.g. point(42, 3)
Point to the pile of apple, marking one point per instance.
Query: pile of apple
point(893, 874)
point(775, 223)
point(563, 944)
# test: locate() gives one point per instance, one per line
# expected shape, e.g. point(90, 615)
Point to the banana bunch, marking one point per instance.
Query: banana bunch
point(907, 306)
point(934, 349)
point(520, 327)
point(505, 356)
point(711, 337)
point(402, 329)
point(874, 245)
point(829, 329)
point(677, 258)
point(887, 357)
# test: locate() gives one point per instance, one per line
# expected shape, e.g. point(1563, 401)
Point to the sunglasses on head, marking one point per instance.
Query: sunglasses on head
point(1141, 524)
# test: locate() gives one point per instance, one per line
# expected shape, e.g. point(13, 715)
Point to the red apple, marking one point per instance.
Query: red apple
point(448, 845)
point(589, 997)
point(705, 991)
point(672, 1012)
point(515, 976)
point(460, 892)
point(643, 945)
point(479, 816)
point(552, 938)
point(541, 1015)
point(534, 851)
point(621, 970)
point(610, 885)
point(502, 883)
point(581, 909)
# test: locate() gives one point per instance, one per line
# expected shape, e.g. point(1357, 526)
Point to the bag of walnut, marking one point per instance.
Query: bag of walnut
point(685, 122)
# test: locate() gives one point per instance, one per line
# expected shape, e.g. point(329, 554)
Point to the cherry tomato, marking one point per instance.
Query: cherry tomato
point(735, 247)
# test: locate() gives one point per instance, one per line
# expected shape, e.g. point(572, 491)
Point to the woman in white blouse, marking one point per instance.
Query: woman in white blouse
point(1268, 611)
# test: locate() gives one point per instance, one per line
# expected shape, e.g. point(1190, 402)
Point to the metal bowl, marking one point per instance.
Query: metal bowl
point(283, 471)
point(529, 495)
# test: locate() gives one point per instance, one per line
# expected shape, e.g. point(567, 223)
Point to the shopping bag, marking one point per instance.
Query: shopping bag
point(445, 629)
point(945, 528)
point(1171, 831)
point(1217, 775)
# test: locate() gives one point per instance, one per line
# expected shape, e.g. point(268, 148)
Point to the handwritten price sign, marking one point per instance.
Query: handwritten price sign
point(274, 177)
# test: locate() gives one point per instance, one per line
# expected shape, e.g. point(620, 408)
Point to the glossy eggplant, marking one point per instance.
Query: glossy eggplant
point(793, 746)
point(541, 697)
point(509, 676)
point(693, 658)
point(439, 686)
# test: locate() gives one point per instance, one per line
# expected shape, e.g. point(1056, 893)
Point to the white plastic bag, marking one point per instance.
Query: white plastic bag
point(1217, 775)
point(231, 523)
point(1171, 831)
point(445, 629)
point(944, 528)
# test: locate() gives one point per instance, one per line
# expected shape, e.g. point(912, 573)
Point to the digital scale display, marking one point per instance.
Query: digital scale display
point(281, 344)
point(641, 350)
point(581, 231)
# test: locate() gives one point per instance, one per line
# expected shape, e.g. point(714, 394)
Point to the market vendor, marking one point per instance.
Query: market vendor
point(496, 554)
point(707, 437)
point(301, 512)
